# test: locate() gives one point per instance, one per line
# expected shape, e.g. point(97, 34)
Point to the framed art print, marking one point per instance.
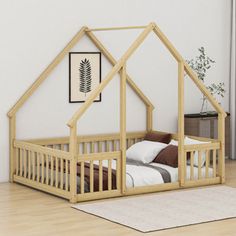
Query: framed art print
point(84, 75)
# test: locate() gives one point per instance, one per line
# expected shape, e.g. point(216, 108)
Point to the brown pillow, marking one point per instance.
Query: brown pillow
point(158, 137)
point(168, 156)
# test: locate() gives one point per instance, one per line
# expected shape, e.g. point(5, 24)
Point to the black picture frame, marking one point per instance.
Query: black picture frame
point(70, 77)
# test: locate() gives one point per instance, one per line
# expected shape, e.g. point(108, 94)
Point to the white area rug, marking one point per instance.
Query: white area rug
point(166, 210)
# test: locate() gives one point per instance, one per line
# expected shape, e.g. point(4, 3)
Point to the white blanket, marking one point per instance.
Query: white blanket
point(139, 175)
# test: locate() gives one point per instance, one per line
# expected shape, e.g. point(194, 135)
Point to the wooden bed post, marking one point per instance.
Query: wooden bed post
point(12, 136)
point(123, 127)
point(221, 154)
point(181, 159)
point(149, 118)
point(73, 148)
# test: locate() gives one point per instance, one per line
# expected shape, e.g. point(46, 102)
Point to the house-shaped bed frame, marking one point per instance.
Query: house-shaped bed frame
point(52, 164)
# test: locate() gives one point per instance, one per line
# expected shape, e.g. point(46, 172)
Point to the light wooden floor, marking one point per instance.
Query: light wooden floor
point(28, 212)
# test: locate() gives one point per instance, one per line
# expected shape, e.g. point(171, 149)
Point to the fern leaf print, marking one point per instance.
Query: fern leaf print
point(85, 76)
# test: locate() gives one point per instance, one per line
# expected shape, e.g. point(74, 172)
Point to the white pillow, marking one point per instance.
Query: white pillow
point(189, 141)
point(144, 151)
point(173, 142)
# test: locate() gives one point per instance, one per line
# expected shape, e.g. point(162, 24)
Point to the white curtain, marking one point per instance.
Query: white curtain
point(233, 81)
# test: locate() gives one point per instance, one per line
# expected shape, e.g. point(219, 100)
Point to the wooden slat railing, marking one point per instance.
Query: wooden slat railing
point(206, 153)
point(42, 167)
point(101, 160)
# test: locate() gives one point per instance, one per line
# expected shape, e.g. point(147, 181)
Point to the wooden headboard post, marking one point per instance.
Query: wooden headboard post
point(12, 136)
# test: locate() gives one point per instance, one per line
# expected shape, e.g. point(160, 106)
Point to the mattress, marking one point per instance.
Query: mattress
point(142, 175)
point(138, 174)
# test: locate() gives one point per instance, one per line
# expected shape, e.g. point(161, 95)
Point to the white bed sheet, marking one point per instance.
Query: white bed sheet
point(139, 175)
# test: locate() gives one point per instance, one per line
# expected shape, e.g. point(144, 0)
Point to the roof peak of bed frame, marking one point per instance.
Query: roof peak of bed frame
point(117, 28)
point(85, 30)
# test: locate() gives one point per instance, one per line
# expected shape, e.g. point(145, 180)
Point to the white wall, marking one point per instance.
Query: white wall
point(34, 31)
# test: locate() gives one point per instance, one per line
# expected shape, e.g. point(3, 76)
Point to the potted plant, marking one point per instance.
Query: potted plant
point(201, 64)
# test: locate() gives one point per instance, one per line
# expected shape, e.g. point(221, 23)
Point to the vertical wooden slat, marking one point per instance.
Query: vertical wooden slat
point(43, 167)
point(38, 166)
point(118, 172)
point(199, 164)
point(29, 164)
point(100, 176)
point(25, 163)
point(92, 147)
point(114, 145)
point(107, 146)
point(181, 122)
point(66, 177)
point(207, 164)
point(82, 177)
point(191, 165)
point(85, 148)
point(33, 163)
point(123, 127)
point(128, 143)
point(56, 172)
point(21, 162)
point(91, 177)
point(47, 169)
point(185, 165)
point(109, 175)
point(79, 147)
point(17, 160)
point(62, 168)
point(131, 141)
point(61, 172)
point(214, 163)
point(52, 171)
point(99, 146)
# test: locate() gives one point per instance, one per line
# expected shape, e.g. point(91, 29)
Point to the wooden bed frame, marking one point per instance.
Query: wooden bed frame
point(31, 160)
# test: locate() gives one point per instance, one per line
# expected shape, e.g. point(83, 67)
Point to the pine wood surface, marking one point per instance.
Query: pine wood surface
point(29, 212)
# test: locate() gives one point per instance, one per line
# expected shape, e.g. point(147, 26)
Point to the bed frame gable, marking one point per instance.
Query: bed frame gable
point(89, 32)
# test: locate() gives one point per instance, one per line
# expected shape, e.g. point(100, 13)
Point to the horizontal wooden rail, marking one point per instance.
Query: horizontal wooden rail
point(202, 182)
point(109, 137)
point(98, 195)
point(117, 28)
point(106, 137)
point(99, 156)
point(85, 138)
point(203, 146)
point(40, 149)
point(43, 187)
